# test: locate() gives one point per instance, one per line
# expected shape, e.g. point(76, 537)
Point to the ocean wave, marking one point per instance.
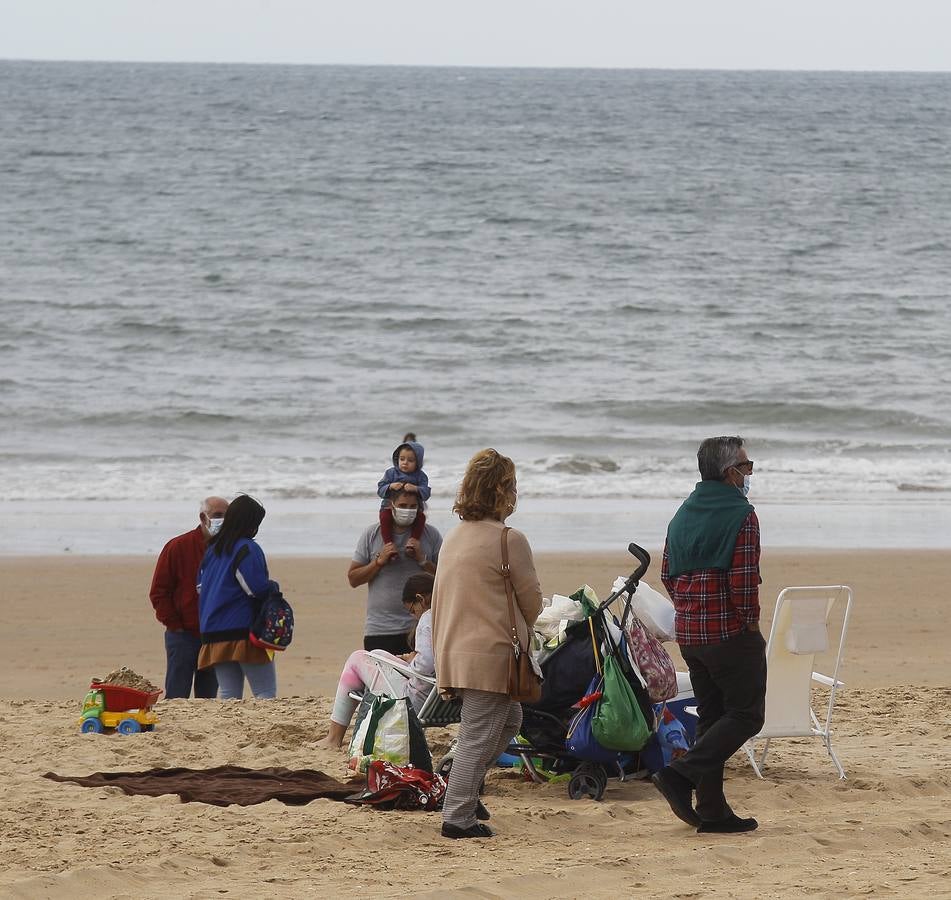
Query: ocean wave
point(42, 152)
point(933, 247)
point(814, 249)
point(817, 478)
point(752, 414)
point(584, 465)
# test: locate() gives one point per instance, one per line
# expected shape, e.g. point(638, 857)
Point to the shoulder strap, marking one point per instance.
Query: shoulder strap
point(239, 557)
point(509, 590)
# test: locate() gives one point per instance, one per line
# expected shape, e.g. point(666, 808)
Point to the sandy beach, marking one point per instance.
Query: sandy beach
point(885, 831)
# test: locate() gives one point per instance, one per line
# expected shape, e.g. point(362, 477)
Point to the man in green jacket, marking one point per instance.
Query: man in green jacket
point(711, 571)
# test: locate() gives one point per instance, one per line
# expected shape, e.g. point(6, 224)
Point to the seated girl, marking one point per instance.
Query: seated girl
point(361, 673)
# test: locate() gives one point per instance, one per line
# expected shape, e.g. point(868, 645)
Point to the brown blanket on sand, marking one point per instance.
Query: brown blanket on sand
point(223, 785)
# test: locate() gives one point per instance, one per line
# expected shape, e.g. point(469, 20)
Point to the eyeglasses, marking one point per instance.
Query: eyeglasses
point(743, 465)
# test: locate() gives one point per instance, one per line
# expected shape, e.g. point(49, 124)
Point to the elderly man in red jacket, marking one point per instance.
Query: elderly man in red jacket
point(174, 596)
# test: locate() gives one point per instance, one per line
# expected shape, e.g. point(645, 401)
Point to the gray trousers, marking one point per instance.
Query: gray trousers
point(489, 722)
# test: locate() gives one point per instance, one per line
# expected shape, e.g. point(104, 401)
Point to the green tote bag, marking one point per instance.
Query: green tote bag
point(618, 723)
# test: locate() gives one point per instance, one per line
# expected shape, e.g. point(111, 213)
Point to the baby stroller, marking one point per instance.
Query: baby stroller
point(568, 672)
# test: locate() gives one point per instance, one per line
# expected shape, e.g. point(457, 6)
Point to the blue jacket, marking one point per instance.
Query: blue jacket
point(394, 474)
point(226, 588)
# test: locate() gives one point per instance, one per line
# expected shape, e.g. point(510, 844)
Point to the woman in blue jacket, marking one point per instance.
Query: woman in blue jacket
point(232, 574)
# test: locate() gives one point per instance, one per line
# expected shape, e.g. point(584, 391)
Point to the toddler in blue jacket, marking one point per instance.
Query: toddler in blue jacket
point(405, 474)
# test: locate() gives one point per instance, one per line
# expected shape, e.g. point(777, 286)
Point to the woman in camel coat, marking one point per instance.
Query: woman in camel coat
point(472, 635)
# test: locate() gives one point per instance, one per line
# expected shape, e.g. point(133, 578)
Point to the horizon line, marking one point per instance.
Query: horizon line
point(470, 66)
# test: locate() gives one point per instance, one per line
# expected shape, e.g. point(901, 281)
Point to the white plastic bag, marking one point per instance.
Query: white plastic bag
point(653, 608)
point(555, 616)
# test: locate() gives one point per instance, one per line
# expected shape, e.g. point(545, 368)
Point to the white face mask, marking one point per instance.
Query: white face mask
point(214, 526)
point(404, 516)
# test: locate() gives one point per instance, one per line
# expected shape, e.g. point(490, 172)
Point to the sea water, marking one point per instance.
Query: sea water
point(221, 278)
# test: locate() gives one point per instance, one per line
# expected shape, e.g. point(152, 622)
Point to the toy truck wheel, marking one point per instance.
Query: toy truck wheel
point(91, 726)
point(128, 726)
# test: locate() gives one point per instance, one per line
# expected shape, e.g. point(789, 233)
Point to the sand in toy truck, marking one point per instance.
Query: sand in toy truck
point(122, 701)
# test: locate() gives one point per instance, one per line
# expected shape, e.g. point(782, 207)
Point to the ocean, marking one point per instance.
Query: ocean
point(223, 278)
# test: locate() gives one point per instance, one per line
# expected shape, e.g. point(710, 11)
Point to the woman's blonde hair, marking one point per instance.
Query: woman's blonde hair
point(487, 487)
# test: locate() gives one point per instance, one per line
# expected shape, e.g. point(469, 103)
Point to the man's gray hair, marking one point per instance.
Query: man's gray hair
point(716, 455)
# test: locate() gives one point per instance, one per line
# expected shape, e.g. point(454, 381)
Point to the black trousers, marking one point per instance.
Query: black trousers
point(729, 683)
point(396, 644)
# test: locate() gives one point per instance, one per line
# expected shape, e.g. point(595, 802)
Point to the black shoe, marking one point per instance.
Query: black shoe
point(732, 824)
point(482, 814)
point(677, 790)
point(473, 831)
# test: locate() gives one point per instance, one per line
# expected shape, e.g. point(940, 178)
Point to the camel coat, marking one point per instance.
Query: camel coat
point(472, 634)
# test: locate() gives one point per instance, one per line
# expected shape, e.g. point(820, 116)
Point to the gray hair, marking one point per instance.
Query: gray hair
point(716, 455)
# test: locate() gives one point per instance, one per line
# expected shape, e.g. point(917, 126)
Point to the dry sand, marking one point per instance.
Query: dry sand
point(885, 831)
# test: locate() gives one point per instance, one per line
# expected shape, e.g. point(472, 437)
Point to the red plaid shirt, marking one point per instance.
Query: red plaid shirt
point(712, 604)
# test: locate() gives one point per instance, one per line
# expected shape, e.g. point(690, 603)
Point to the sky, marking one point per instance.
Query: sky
point(883, 35)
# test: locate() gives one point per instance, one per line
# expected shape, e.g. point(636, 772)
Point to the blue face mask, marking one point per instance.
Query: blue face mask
point(745, 490)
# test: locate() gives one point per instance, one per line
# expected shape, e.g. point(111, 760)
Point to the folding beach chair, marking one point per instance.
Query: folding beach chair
point(799, 632)
point(436, 712)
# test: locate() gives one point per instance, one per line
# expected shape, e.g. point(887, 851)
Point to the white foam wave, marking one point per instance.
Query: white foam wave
point(167, 479)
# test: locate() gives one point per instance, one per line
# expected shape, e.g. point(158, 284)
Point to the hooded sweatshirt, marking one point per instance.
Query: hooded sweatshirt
point(418, 477)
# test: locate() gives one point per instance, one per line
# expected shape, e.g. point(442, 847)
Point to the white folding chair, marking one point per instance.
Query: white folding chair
point(799, 632)
point(436, 711)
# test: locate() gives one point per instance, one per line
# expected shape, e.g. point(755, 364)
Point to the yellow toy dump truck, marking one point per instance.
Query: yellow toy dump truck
point(125, 709)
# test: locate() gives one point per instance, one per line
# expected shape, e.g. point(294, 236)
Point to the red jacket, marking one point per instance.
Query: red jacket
point(174, 592)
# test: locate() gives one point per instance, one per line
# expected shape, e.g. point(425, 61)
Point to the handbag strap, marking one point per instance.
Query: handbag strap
point(509, 590)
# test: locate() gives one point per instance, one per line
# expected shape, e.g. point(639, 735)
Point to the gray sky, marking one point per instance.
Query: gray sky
point(725, 34)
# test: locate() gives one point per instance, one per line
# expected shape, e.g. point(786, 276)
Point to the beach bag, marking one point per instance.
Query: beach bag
point(580, 741)
point(524, 677)
point(652, 660)
point(387, 728)
point(618, 722)
point(668, 742)
point(655, 611)
point(400, 787)
point(273, 626)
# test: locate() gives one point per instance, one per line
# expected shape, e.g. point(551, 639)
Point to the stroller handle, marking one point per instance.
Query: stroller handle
point(644, 558)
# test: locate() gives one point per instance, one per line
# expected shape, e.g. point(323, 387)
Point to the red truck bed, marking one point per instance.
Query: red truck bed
point(120, 698)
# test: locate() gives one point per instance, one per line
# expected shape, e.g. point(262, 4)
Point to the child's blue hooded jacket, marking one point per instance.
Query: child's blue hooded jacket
point(394, 474)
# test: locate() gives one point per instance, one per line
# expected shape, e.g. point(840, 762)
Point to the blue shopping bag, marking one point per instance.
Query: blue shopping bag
point(580, 741)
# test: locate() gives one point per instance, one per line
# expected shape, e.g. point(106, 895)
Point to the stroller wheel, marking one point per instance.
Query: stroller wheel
point(587, 781)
